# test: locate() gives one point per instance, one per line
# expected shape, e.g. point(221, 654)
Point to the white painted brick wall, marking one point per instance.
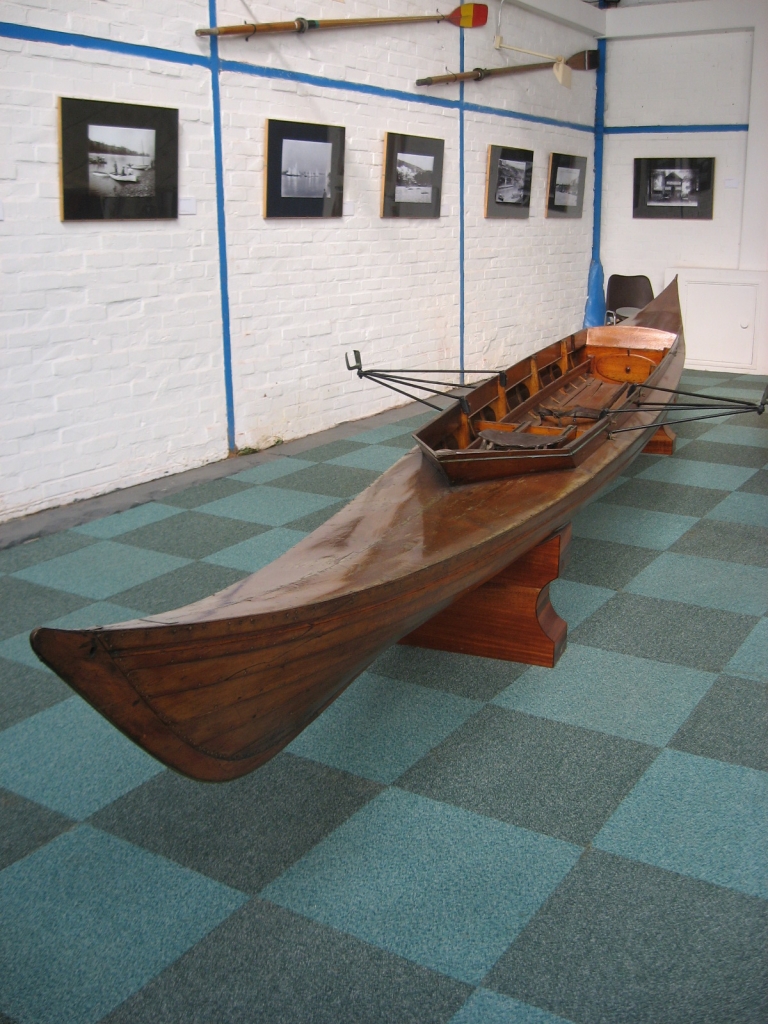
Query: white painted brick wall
point(167, 24)
point(111, 369)
point(303, 293)
point(677, 80)
point(111, 364)
point(525, 279)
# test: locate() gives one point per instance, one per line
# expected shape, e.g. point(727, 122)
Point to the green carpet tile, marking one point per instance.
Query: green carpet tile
point(455, 839)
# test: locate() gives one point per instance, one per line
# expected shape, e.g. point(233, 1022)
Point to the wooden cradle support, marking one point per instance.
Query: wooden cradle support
point(510, 617)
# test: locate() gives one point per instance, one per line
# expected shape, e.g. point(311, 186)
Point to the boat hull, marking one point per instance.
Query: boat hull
point(215, 689)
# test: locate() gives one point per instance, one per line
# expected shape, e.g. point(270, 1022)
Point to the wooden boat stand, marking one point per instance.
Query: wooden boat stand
point(511, 617)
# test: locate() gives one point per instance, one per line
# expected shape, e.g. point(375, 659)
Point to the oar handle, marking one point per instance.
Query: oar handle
point(301, 25)
point(478, 74)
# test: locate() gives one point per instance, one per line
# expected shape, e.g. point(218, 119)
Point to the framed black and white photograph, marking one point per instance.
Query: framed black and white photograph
point(413, 176)
point(119, 161)
point(676, 188)
point(565, 187)
point(508, 182)
point(305, 170)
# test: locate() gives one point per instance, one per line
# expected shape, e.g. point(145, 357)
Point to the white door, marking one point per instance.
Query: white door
point(719, 323)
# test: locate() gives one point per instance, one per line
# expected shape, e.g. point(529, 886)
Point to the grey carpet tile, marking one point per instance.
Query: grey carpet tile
point(730, 542)
point(662, 497)
point(692, 429)
point(266, 965)
point(730, 723)
point(25, 827)
point(641, 462)
point(314, 519)
point(624, 943)
point(459, 674)
point(333, 481)
point(332, 450)
point(24, 691)
point(41, 549)
point(404, 441)
point(212, 490)
point(7, 1020)
point(26, 605)
point(415, 422)
point(747, 419)
point(757, 484)
point(703, 377)
point(682, 634)
point(603, 563)
point(244, 833)
point(561, 780)
point(746, 382)
point(192, 534)
point(729, 454)
point(175, 589)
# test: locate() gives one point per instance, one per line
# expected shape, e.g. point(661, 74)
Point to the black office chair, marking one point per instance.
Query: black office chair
point(622, 292)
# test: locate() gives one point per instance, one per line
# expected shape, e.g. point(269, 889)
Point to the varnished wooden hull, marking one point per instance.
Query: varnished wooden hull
point(215, 689)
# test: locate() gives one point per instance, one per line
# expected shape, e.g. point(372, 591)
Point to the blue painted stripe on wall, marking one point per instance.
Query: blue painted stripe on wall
point(517, 115)
point(261, 71)
point(43, 35)
point(226, 336)
point(461, 207)
point(599, 133)
point(673, 129)
point(40, 35)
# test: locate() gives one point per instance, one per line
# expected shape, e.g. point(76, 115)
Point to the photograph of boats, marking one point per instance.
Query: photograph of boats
point(565, 191)
point(567, 186)
point(121, 161)
point(511, 183)
point(413, 176)
point(306, 169)
point(674, 187)
point(508, 182)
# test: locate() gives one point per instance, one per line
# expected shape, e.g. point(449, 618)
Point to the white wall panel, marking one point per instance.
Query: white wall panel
point(677, 80)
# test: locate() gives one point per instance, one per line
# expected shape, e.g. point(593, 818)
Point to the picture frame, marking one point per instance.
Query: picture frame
point(413, 176)
point(508, 182)
point(674, 188)
point(118, 161)
point(304, 170)
point(565, 185)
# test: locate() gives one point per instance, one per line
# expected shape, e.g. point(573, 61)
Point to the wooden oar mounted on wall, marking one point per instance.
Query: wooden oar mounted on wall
point(465, 16)
point(585, 60)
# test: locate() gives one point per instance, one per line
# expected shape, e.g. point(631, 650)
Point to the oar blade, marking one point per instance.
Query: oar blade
point(469, 16)
point(585, 60)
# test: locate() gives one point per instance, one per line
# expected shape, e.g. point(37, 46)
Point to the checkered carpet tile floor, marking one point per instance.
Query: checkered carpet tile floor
point(455, 839)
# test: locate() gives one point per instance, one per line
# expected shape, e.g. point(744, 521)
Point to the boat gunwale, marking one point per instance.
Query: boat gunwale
point(538, 460)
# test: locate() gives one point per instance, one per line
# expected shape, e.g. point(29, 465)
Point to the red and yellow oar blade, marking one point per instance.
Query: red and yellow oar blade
point(469, 16)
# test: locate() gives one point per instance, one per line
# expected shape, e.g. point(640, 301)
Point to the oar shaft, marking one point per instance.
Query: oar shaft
point(301, 25)
point(478, 74)
point(584, 60)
